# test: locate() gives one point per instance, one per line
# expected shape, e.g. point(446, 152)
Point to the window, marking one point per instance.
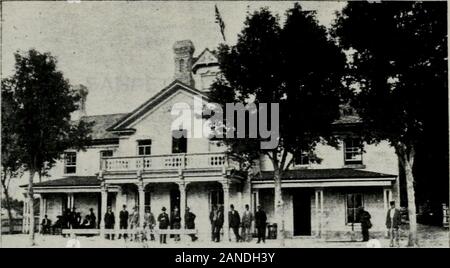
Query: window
point(179, 145)
point(354, 202)
point(352, 151)
point(70, 163)
point(181, 66)
point(144, 147)
point(302, 160)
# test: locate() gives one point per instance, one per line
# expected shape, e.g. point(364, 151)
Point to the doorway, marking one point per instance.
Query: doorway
point(174, 199)
point(302, 212)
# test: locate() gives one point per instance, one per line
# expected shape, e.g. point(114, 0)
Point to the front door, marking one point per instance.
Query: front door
point(302, 212)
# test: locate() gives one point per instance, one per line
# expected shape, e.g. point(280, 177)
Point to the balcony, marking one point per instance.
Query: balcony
point(168, 162)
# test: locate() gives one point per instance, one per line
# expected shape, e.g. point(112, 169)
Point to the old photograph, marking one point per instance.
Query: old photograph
point(224, 124)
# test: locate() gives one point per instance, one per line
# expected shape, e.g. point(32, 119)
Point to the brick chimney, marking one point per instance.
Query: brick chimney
point(83, 92)
point(183, 51)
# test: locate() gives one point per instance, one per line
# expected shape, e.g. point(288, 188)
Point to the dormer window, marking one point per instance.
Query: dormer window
point(353, 151)
point(70, 163)
point(145, 147)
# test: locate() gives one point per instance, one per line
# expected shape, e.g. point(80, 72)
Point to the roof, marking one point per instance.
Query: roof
point(173, 87)
point(69, 181)
point(101, 123)
point(337, 173)
point(206, 58)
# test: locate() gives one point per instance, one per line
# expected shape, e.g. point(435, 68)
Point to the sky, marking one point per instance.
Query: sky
point(122, 50)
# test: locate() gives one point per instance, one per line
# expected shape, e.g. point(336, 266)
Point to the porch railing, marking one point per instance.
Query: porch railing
point(169, 161)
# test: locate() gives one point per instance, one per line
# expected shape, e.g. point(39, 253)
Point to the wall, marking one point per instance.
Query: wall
point(156, 126)
point(377, 157)
point(334, 218)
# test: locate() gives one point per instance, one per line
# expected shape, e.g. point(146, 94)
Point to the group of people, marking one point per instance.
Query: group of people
point(235, 222)
point(70, 219)
point(145, 232)
point(393, 223)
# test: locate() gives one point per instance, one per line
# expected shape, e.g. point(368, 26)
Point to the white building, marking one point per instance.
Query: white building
point(134, 160)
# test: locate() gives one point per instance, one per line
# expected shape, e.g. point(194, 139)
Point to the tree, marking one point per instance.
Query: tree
point(44, 101)
point(296, 66)
point(398, 62)
point(11, 167)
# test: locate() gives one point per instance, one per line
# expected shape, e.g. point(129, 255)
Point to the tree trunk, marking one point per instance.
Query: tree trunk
point(412, 240)
point(31, 206)
point(8, 204)
point(278, 205)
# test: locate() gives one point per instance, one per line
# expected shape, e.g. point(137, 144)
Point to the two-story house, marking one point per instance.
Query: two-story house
point(134, 160)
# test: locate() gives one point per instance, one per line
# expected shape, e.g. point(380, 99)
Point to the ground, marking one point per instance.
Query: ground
point(429, 237)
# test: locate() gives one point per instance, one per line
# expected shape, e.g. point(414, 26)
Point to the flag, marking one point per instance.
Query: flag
point(220, 22)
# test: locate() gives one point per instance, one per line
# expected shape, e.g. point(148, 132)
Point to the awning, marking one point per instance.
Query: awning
point(340, 177)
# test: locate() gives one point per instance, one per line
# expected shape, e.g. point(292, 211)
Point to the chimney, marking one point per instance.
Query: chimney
point(83, 92)
point(183, 51)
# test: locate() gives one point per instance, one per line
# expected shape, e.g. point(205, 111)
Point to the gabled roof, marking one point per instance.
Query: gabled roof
point(69, 181)
point(126, 121)
point(101, 123)
point(335, 173)
point(206, 58)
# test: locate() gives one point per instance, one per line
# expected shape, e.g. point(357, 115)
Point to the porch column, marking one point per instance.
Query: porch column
point(141, 203)
point(104, 203)
point(316, 199)
point(319, 210)
point(389, 195)
point(226, 205)
point(41, 210)
point(183, 203)
point(385, 201)
point(118, 208)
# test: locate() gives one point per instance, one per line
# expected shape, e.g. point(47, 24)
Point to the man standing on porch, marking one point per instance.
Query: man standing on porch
point(260, 224)
point(163, 220)
point(247, 218)
point(123, 225)
point(393, 222)
point(109, 222)
point(234, 221)
point(212, 219)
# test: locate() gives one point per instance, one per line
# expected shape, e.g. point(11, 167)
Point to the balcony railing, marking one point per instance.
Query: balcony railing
point(169, 161)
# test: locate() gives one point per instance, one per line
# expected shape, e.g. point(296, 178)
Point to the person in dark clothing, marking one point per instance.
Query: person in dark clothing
point(164, 222)
point(149, 223)
point(189, 222)
point(56, 228)
point(212, 219)
point(73, 220)
point(123, 224)
point(92, 219)
point(260, 224)
point(234, 222)
point(364, 218)
point(66, 219)
point(393, 223)
point(218, 223)
point(175, 222)
point(46, 225)
point(110, 221)
point(86, 222)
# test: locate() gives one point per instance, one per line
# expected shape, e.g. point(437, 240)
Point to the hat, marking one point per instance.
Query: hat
point(163, 209)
